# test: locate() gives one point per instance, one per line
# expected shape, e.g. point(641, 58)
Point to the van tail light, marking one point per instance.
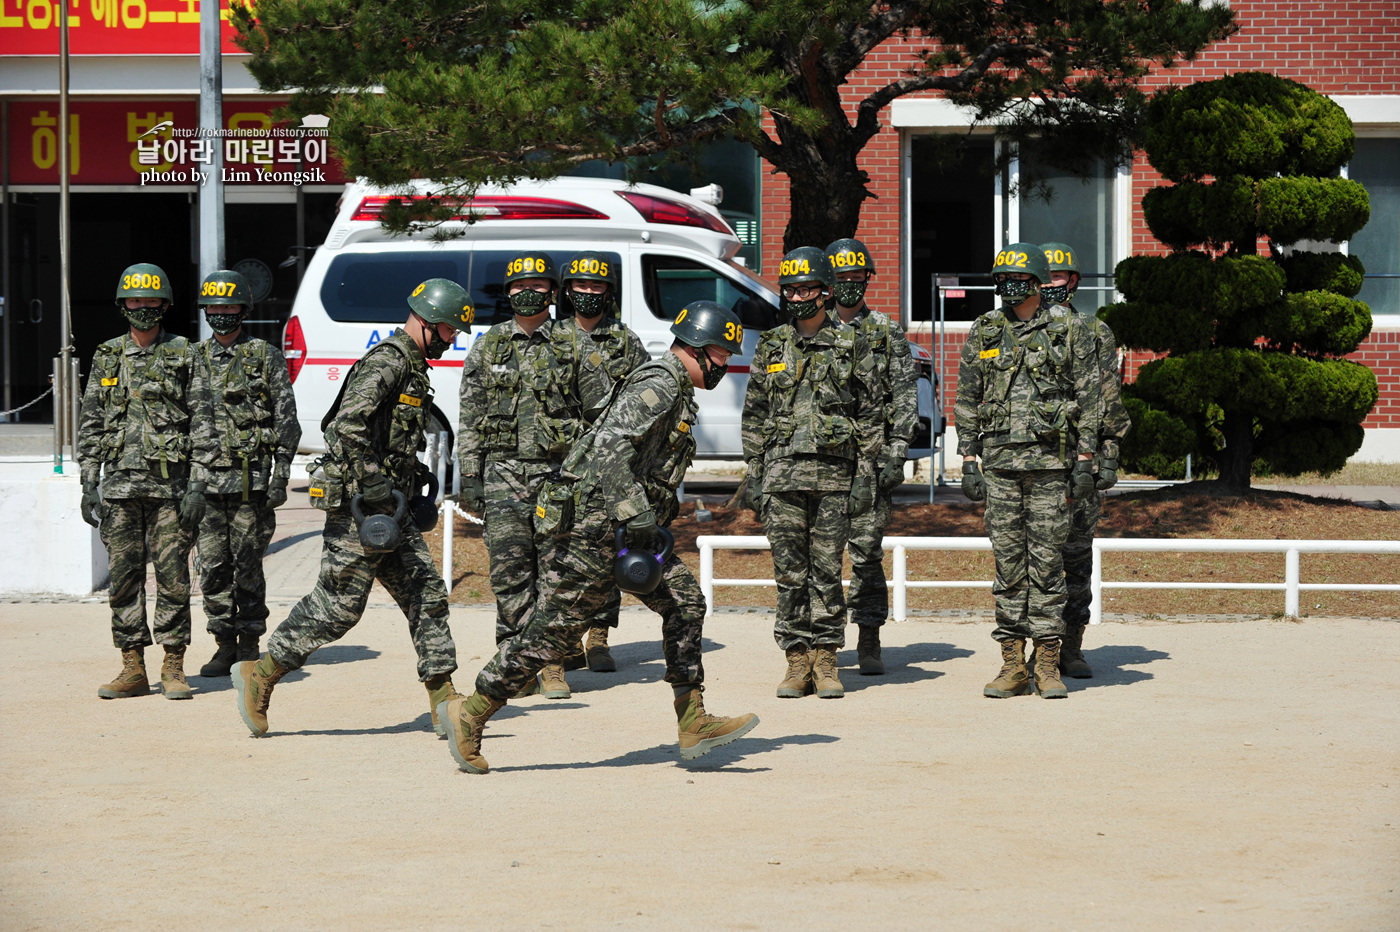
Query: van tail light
point(490, 207)
point(294, 347)
point(664, 210)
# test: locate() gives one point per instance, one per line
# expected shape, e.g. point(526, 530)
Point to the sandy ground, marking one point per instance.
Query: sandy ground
point(1212, 776)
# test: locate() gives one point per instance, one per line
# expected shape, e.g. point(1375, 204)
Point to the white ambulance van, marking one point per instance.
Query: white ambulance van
point(671, 249)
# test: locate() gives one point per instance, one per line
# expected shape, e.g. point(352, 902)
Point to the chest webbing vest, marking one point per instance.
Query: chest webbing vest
point(1027, 388)
point(397, 430)
point(811, 393)
point(145, 414)
point(243, 409)
point(532, 408)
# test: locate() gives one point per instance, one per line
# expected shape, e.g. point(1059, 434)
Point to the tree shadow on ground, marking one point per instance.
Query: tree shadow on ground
point(899, 665)
point(1109, 663)
point(342, 653)
point(719, 759)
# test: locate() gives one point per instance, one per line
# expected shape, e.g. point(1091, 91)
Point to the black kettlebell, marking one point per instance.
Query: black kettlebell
point(424, 507)
point(380, 533)
point(637, 571)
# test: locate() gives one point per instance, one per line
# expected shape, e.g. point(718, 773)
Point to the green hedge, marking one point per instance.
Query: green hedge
point(1196, 213)
point(1324, 271)
point(1308, 445)
point(1291, 209)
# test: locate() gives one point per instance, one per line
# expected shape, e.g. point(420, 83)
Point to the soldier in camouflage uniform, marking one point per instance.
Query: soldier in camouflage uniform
point(525, 399)
point(1028, 403)
point(621, 477)
point(868, 598)
point(1114, 425)
point(589, 286)
point(144, 478)
point(374, 433)
point(813, 429)
point(254, 432)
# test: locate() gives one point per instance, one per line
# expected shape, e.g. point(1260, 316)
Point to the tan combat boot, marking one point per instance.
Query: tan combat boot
point(798, 681)
point(575, 659)
point(253, 683)
point(466, 719)
point(225, 656)
point(600, 659)
point(172, 675)
point(1072, 662)
point(552, 682)
point(701, 732)
point(1047, 670)
point(1013, 680)
point(826, 682)
point(440, 690)
point(131, 681)
point(868, 651)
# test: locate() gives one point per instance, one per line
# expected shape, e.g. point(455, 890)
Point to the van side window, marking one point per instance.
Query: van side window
point(367, 288)
point(671, 282)
point(489, 268)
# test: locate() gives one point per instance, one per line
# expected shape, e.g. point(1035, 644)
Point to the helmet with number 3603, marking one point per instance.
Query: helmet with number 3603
point(1020, 258)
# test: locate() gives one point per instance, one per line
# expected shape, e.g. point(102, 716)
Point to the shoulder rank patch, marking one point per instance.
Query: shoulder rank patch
point(410, 400)
point(595, 359)
point(777, 367)
point(683, 427)
point(650, 397)
point(989, 353)
point(108, 383)
point(539, 511)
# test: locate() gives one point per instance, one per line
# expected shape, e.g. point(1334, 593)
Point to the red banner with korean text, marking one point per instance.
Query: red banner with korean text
point(109, 27)
point(155, 143)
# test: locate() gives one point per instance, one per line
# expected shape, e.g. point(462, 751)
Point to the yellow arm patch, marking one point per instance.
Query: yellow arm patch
point(539, 511)
point(410, 400)
point(108, 383)
point(683, 427)
point(777, 367)
point(989, 354)
point(316, 493)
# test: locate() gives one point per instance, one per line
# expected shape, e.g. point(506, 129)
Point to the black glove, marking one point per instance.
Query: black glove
point(378, 494)
point(974, 486)
point(1081, 480)
point(277, 491)
point(192, 506)
point(473, 496)
point(862, 496)
point(1108, 474)
point(643, 534)
point(92, 504)
point(892, 475)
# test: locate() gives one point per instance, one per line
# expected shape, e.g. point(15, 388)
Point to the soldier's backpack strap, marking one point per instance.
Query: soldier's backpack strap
point(345, 382)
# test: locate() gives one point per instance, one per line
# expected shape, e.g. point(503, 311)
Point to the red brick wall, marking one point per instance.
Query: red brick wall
point(1348, 47)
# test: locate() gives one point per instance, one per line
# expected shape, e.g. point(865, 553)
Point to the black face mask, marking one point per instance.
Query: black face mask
point(436, 345)
point(803, 310)
point(849, 294)
point(529, 303)
point(587, 304)
point(1054, 294)
point(1016, 289)
point(709, 372)
point(223, 324)
point(144, 318)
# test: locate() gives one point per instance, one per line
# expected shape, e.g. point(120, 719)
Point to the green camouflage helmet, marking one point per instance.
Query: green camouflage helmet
point(1060, 258)
point(443, 301)
point(850, 255)
point(1024, 258)
point(705, 323)
point(594, 266)
point(225, 287)
point(144, 280)
point(806, 264)
point(531, 265)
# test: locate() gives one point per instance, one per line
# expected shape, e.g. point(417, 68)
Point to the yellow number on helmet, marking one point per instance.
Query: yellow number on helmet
point(468, 314)
point(1021, 259)
point(860, 258)
point(681, 316)
point(602, 268)
point(419, 290)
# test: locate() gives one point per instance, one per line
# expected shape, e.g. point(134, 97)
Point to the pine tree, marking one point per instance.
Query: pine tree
point(1250, 314)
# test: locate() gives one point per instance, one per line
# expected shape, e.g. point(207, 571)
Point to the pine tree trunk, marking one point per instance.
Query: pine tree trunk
point(1237, 459)
point(824, 212)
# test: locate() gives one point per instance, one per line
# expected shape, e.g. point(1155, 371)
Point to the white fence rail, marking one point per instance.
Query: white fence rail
point(901, 584)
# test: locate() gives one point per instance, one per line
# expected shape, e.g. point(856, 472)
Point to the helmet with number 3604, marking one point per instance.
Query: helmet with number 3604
point(1020, 258)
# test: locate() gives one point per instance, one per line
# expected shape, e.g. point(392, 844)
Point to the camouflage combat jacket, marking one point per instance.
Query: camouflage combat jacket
point(813, 417)
point(1114, 422)
point(525, 397)
point(1028, 391)
point(138, 408)
point(896, 378)
point(254, 431)
point(616, 351)
point(381, 416)
point(637, 453)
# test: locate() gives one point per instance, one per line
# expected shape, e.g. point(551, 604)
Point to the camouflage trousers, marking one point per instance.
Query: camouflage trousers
point(577, 584)
point(1079, 557)
point(516, 562)
point(1028, 520)
point(330, 610)
point(232, 540)
point(131, 527)
point(868, 598)
point(807, 532)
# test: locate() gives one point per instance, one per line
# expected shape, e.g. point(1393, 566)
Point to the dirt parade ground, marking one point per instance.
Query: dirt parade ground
point(1211, 776)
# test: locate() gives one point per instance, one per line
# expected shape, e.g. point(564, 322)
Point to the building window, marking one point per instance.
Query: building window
point(1080, 212)
point(1377, 166)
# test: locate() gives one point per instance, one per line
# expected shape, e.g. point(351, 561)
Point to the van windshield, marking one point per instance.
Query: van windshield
point(374, 287)
point(672, 282)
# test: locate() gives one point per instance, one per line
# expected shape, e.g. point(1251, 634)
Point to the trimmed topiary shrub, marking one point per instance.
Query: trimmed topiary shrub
point(1247, 380)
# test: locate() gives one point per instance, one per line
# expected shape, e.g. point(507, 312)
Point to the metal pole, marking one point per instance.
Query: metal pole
point(942, 387)
point(301, 224)
point(8, 308)
point(1290, 579)
point(211, 121)
point(901, 590)
point(57, 419)
point(75, 401)
point(61, 388)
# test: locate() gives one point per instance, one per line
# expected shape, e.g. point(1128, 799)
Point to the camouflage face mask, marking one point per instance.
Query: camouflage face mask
point(849, 294)
point(803, 310)
point(529, 303)
point(144, 318)
point(587, 304)
point(223, 324)
point(1017, 289)
point(1054, 294)
point(710, 371)
point(436, 345)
